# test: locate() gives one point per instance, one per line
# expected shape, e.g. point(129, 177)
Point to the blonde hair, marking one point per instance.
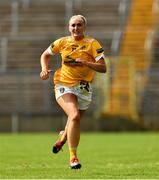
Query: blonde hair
point(80, 17)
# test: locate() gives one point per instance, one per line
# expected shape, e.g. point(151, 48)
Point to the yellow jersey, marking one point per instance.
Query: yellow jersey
point(87, 49)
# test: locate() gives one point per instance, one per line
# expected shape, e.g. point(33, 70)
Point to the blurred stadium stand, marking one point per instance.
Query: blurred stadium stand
point(27, 27)
point(131, 80)
point(150, 105)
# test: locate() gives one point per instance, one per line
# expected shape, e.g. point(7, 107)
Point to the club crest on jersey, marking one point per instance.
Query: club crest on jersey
point(62, 90)
point(74, 47)
point(99, 50)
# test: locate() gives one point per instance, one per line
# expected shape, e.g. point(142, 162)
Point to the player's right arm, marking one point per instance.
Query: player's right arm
point(44, 61)
point(53, 49)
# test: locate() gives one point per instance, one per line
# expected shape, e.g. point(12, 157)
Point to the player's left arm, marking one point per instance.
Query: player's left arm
point(99, 66)
point(97, 52)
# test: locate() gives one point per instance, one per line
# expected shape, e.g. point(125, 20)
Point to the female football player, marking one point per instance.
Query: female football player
point(81, 57)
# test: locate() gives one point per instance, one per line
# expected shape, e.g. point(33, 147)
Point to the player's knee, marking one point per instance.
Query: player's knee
point(75, 117)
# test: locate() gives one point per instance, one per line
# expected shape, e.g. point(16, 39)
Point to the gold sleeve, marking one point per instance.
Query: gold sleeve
point(97, 50)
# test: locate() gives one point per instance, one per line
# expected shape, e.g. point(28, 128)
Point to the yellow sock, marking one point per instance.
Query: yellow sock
point(73, 153)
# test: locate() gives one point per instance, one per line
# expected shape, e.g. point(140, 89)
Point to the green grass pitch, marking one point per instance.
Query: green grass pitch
point(103, 156)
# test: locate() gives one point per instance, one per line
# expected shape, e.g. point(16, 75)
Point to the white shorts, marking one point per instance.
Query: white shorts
point(83, 91)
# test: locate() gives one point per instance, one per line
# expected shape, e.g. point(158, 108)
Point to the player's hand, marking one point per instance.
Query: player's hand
point(44, 74)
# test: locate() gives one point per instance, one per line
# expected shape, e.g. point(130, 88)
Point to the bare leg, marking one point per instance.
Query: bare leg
point(64, 135)
point(68, 102)
point(72, 128)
